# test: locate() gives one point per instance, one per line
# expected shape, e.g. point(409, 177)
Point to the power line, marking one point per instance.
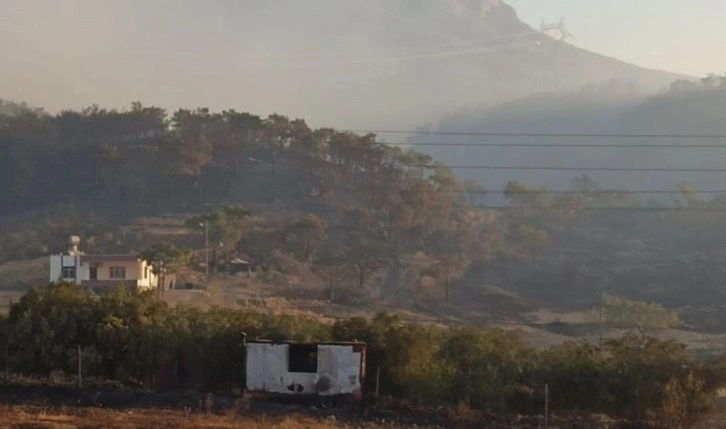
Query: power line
point(615, 209)
point(534, 42)
point(534, 145)
point(463, 42)
point(138, 219)
point(636, 209)
point(563, 135)
point(556, 145)
point(113, 200)
point(501, 167)
point(134, 223)
point(605, 192)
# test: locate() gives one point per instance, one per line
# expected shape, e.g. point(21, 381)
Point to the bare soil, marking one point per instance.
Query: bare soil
point(34, 417)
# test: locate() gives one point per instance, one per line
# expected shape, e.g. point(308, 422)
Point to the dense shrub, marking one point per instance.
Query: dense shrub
point(134, 337)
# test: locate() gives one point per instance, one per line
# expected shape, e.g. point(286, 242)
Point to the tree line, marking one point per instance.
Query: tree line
point(357, 207)
point(360, 214)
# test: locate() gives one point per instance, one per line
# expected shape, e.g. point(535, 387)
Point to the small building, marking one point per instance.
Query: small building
point(329, 370)
point(101, 271)
point(238, 265)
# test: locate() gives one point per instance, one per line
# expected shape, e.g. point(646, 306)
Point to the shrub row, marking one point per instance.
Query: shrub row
point(135, 338)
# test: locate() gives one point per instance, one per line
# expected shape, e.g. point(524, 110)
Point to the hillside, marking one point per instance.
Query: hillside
point(628, 242)
point(684, 109)
point(485, 56)
point(341, 224)
point(321, 206)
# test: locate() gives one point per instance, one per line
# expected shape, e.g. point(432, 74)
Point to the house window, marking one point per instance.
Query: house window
point(303, 358)
point(146, 272)
point(68, 273)
point(117, 273)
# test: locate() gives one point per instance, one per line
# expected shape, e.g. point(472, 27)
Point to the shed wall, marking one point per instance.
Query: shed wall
point(267, 370)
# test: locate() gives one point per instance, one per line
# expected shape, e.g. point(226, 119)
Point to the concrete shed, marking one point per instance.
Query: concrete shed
point(318, 369)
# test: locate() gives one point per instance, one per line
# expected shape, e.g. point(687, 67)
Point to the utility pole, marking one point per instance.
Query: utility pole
point(468, 387)
point(446, 286)
point(206, 247)
point(600, 319)
point(378, 380)
point(161, 278)
point(7, 364)
point(547, 406)
point(80, 367)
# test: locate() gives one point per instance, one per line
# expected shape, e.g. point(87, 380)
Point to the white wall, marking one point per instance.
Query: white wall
point(151, 280)
point(59, 261)
point(55, 268)
point(267, 370)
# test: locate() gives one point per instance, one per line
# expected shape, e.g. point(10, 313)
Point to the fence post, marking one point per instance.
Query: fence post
point(547, 405)
point(600, 320)
point(7, 364)
point(80, 368)
point(468, 387)
point(378, 380)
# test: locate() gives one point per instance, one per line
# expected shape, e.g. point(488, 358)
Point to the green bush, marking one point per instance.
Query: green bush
point(641, 315)
point(578, 375)
point(135, 338)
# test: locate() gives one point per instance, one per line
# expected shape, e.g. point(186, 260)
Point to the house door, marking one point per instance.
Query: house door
point(93, 273)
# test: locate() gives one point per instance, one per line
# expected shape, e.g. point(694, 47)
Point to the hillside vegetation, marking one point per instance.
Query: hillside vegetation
point(683, 109)
point(365, 224)
point(340, 204)
point(629, 241)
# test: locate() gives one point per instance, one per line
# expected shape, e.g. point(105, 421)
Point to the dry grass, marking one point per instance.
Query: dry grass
point(27, 417)
point(6, 298)
point(16, 275)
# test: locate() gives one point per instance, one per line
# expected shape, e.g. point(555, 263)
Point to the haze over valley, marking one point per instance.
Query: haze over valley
point(348, 64)
point(494, 210)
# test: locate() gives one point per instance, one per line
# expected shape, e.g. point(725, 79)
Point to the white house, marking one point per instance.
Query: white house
point(101, 271)
point(320, 369)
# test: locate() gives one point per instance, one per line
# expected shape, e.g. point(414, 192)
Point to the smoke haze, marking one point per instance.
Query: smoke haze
point(344, 63)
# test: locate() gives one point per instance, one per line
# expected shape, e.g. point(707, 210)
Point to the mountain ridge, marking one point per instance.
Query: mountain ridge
point(492, 58)
point(395, 62)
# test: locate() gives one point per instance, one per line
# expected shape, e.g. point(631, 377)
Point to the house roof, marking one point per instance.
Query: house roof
point(110, 258)
point(358, 346)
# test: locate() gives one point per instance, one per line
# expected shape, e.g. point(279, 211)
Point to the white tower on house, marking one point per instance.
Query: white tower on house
point(67, 265)
point(73, 242)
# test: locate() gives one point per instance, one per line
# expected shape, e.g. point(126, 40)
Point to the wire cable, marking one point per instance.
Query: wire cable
point(502, 167)
point(555, 145)
point(533, 134)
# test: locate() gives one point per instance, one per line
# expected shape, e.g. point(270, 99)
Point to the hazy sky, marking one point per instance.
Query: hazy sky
point(679, 36)
point(272, 55)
